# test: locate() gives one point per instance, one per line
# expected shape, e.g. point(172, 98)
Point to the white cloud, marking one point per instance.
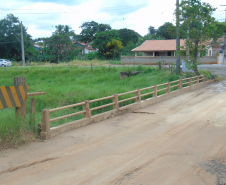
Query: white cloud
point(153, 15)
point(119, 14)
point(9, 4)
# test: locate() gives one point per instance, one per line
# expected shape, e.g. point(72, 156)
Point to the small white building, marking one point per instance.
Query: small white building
point(215, 49)
point(88, 49)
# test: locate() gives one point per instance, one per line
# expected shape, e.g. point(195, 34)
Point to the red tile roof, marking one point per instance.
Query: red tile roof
point(39, 46)
point(82, 43)
point(217, 46)
point(220, 39)
point(159, 45)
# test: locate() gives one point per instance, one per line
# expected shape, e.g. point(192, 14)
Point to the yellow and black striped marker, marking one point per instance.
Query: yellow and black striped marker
point(13, 96)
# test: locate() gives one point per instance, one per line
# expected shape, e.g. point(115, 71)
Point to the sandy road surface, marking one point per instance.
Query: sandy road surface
point(181, 141)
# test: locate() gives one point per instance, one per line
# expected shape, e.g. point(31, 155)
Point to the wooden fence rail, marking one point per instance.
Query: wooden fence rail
point(115, 101)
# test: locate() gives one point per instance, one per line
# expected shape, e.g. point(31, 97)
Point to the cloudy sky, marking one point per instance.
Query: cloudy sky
point(40, 16)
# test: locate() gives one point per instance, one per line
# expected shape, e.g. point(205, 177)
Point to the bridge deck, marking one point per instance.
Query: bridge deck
point(178, 141)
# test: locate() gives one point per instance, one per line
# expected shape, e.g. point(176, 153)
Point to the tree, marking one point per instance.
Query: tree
point(10, 39)
point(152, 30)
point(102, 40)
point(127, 35)
point(60, 45)
point(167, 30)
point(141, 40)
point(90, 29)
point(127, 50)
point(113, 49)
point(201, 29)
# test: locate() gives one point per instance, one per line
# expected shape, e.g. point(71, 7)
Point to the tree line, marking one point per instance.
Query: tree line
point(197, 26)
point(111, 43)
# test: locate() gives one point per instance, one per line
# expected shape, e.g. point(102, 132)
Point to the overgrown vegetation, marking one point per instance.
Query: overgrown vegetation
point(64, 87)
point(14, 131)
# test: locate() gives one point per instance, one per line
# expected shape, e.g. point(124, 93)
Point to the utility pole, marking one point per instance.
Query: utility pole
point(178, 39)
point(22, 45)
point(224, 51)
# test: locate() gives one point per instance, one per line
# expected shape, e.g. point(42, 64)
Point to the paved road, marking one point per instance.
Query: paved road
point(215, 69)
point(179, 141)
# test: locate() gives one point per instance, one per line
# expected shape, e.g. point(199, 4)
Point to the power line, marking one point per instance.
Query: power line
point(65, 12)
point(105, 8)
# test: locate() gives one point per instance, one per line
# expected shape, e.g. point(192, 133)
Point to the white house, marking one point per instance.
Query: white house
point(216, 48)
point(88, 49)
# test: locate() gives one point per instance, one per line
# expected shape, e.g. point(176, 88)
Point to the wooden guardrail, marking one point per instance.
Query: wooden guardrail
point(116, 101)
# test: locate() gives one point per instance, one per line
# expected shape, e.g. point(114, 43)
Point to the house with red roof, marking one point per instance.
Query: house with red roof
point(158, 47)
point(85, 47)
point(215, 48)
point(80, 45)
point(154, 51)
point(39, 46)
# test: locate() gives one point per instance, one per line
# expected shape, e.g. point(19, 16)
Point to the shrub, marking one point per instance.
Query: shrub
point(173, 77)
point(33, 64)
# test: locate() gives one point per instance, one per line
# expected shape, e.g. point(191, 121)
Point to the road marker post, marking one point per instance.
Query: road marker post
point(21, 81)
point(32, 112)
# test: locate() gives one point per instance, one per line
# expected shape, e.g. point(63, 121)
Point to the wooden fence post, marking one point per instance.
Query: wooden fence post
point(155, 91)
point(87, 114)
point(197, 79)
point(168, 87)
point(138, 99)
point(21, 111)
point(45, 124)
point(32, 112)
point(204, 78)
point(190, 81)
point(180, 84)
point(115, 100)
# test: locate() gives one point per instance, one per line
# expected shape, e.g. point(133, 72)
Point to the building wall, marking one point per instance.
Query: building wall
point(212, 52)
point(86, 51)
point(148, 54)
point(167, 59)
point(215, 53)
point(157, 53)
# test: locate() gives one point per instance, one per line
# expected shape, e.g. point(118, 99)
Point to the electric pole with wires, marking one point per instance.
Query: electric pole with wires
point(22, 45)
point(178, 39)
point(224, 49)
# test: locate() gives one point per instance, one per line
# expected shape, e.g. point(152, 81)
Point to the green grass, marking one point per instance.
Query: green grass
point(64, 87)
point(95, 62)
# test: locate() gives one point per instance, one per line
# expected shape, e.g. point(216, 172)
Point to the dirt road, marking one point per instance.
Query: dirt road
point(181, 141)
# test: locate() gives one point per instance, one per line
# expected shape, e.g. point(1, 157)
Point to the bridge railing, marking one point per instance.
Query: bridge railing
point(117, 99)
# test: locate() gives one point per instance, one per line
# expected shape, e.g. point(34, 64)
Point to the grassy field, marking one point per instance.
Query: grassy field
point(64, 87)
point(72, 63)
